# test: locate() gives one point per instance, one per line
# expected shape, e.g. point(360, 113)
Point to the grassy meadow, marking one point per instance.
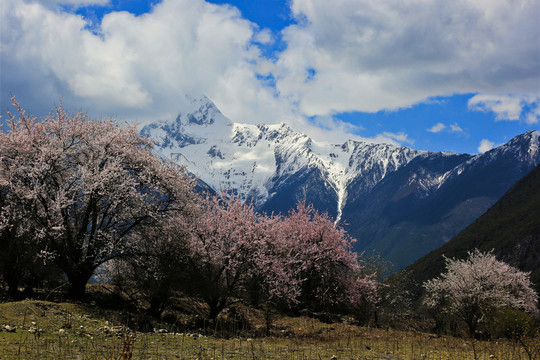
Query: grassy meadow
point(34, 329)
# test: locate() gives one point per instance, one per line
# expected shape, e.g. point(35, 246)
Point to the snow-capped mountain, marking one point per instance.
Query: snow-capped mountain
point(256, 160)
point(385, 195)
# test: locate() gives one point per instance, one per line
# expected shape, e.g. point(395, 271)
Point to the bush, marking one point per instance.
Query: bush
point(510, 323)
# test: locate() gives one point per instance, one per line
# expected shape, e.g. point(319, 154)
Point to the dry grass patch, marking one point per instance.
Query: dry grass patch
point(47, 330)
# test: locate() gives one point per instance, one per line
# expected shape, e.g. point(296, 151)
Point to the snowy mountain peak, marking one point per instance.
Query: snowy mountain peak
point(201, 123)
point(397, 201)
point(202, 113)
point(526, 145)
point(259, 161)
point(254, 160)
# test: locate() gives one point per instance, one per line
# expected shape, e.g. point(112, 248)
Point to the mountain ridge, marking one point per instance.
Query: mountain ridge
point(291, 150)
point(379, 192)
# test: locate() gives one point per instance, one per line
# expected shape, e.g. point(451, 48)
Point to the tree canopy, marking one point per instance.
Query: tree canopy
point(476, 286)
point(82, 187)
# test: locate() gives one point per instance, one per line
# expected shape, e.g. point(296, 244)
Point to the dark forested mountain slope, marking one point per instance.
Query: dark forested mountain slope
point(510, 228)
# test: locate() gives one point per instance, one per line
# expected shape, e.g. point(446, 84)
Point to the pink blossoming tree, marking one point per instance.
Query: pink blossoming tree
point(273, 278)
point(327, 270)
point(474, 287)
point(84, 187)
point(227, 245)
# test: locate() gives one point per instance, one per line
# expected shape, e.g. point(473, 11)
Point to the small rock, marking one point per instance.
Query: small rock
point(162, 331)
point(62, 332)
point(10, 328)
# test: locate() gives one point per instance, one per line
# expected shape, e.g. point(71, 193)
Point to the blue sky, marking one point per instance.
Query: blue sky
point(441, 76)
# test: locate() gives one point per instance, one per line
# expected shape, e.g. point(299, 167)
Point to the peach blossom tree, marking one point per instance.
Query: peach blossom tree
point(474, 287)
point(84, 187)
point(328, 272)
point(226, 246)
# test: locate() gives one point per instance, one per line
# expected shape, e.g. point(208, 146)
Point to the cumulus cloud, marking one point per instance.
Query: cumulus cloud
point(485, 145)
point(440, 127)
point(507, 107)
point(437, 128)
point(140, 67)
point(349, 55)
point(136, 66)
point(400, 137)
point(330, 129)
point(370, 55)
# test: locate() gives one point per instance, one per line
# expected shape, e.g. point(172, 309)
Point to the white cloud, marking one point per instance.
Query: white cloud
point(456, 128)
point(264, 37)
point(533, 117)
point(74, 3)
point(400, 137)
point(329, 129)
point(440, 127)
point(347, 55)
point(437, 128)
point(371, 55)
point(485, 145)
point(136, 66)
point(140, 67)
point(507, 107)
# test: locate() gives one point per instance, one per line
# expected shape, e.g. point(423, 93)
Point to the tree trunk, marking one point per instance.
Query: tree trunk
point(12, 282)
point(157, 304)
point(216, 306)
point(13, 274)
point(77, 283)
point(12, 264)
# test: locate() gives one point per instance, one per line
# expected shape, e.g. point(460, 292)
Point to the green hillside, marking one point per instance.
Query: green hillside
point(511, 228)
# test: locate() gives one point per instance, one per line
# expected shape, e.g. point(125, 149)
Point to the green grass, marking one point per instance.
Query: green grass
point(89, 332)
